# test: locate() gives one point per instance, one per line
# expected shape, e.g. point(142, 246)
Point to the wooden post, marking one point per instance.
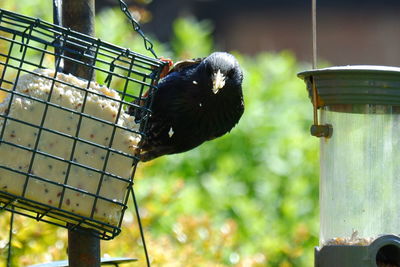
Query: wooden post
point(78, 15)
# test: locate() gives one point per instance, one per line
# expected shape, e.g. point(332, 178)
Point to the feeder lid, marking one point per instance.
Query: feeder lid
point(350, 68)
point(354, 84)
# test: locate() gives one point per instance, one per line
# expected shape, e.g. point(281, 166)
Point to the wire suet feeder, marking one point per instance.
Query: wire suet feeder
point(69, 174)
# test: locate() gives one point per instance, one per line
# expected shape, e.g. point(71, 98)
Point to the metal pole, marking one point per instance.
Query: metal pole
point(83, 249)
point(78, 15)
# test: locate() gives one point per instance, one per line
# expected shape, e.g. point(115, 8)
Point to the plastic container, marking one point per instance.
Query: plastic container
point(360, 162)
point(360, 173)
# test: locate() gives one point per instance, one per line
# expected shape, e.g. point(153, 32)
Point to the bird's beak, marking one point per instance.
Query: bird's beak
point(218, 80)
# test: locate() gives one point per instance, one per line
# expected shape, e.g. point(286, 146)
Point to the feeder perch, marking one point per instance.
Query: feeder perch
point(359, 164)
point(67, 147)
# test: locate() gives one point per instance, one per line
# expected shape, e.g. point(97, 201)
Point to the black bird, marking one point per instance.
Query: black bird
point(198, 100)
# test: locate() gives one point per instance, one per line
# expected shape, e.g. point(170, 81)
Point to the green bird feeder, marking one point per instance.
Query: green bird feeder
point(357, 117)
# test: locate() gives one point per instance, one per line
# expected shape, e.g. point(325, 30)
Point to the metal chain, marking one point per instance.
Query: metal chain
point(136, 26)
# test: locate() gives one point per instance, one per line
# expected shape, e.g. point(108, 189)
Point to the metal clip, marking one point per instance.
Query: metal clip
point(321, 130)
point(316, 129)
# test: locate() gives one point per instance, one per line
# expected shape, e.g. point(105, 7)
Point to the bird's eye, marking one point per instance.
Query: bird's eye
point(209, 70)
point(231, 73)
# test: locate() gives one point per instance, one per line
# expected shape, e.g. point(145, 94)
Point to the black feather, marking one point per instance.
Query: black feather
point(186, 112)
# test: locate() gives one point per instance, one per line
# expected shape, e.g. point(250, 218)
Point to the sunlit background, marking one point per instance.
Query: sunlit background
point(249, 198)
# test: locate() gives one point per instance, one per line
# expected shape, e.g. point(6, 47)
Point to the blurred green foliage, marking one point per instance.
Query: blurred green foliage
point(192, 38)
point(249, 198)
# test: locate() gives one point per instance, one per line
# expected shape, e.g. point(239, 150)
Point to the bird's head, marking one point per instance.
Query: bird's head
point(224, 70)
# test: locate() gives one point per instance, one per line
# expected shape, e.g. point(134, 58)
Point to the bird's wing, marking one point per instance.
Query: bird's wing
point(180, 65)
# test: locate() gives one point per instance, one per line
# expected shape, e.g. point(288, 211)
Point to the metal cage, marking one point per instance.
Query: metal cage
point(61, 162)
